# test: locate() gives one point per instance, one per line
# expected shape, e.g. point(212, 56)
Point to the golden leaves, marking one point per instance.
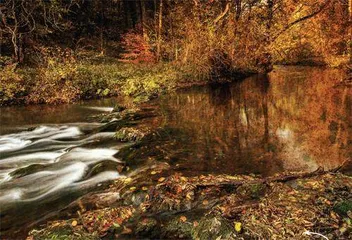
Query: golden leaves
point(74, 223)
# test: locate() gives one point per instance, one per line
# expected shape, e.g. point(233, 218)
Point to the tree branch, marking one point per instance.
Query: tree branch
point(227, 7)
point(319, 10)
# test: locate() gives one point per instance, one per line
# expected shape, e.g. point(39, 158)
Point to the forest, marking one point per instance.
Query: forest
point(48, 47)
point(175, 119)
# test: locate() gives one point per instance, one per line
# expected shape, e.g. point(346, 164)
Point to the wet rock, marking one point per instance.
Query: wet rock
point(148, 228)
point(213, 227)
point(119, 108)
point(127, 134)
point(27, 170)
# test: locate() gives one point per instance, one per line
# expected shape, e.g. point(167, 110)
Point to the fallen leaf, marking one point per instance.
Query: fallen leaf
point(144, 188)
point(132, 188)
point(127, 180)
point(74, 223)
point(116, 225)
point(153, 173)
point(205, 202)
point(119, 221)
point(183, 219)
point(238, 226)
point(162, 179)
point(195, 224)
point(126, 230)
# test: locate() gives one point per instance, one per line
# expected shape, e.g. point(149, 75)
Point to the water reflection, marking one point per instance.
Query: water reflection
point(292, 119)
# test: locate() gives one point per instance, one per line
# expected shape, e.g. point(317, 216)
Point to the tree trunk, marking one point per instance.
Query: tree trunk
point(238, 9)
point(102, 18)
point(142, 18)
point(350, 28)
point(266, 61)
point(160, 25)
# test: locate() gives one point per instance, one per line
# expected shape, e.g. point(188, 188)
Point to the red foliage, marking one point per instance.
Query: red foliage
point(136, 48)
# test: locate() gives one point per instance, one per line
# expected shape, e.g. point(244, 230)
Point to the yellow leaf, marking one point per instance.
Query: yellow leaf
point(74, 223)
point(162, 179)
point(183, 219)
point(189, 195)
point(128, 180)
point(238, 226)
point(183, 179)
point(153, 173)
point(132, 188)
point(144, 188)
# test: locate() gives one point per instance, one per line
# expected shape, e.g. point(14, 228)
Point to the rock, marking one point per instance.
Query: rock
point(147, 227)
point(213, 227)
point(128, 134)
point(119, 108)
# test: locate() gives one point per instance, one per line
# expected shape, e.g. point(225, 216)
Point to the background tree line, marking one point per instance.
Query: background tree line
point(247, 33)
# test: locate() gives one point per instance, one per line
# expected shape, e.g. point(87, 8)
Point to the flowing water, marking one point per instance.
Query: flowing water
point(295, 118)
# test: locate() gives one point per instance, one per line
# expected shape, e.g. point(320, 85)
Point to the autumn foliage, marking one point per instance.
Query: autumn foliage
point(136, 48)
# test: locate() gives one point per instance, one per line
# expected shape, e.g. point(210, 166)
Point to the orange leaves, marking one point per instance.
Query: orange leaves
point(183, 218)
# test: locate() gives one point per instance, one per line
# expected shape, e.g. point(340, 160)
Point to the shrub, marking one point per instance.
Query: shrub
point(11, 84)
point(54, 82)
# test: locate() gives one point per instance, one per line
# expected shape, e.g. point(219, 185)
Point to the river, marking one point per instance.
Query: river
point(294, 119)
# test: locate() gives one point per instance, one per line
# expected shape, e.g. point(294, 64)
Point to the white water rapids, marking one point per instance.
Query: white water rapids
point(47, 167)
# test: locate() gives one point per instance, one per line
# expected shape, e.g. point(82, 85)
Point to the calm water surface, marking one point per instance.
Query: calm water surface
point(295, 118)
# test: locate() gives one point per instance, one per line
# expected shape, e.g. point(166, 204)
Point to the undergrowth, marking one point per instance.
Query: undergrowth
point(58, 81)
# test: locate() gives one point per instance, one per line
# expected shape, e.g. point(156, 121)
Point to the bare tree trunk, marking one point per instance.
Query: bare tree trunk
point(350, 28)
point(0, 43)
point(102, 27)
point(238, 9)
point(142, 17)
point(266, 61)
point(160, 25)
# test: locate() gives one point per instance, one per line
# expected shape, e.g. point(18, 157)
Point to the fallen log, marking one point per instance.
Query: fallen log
point(280, 178)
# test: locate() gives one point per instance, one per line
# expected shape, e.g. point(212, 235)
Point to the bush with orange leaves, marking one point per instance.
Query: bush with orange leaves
point(136, 48)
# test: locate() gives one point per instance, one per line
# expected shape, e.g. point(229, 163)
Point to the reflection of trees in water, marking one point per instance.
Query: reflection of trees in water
point(220, 122)
point(308, 104)
point(263, 122)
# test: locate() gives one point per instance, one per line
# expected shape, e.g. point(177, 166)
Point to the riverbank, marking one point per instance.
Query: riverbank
point(152, 205)
point(64, 79)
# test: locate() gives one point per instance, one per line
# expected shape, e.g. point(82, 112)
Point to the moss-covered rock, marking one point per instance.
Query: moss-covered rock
point(213, 227)
point(128, 134)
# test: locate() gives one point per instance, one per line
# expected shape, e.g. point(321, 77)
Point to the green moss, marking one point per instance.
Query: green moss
point(343, 207)
point(213, 227)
